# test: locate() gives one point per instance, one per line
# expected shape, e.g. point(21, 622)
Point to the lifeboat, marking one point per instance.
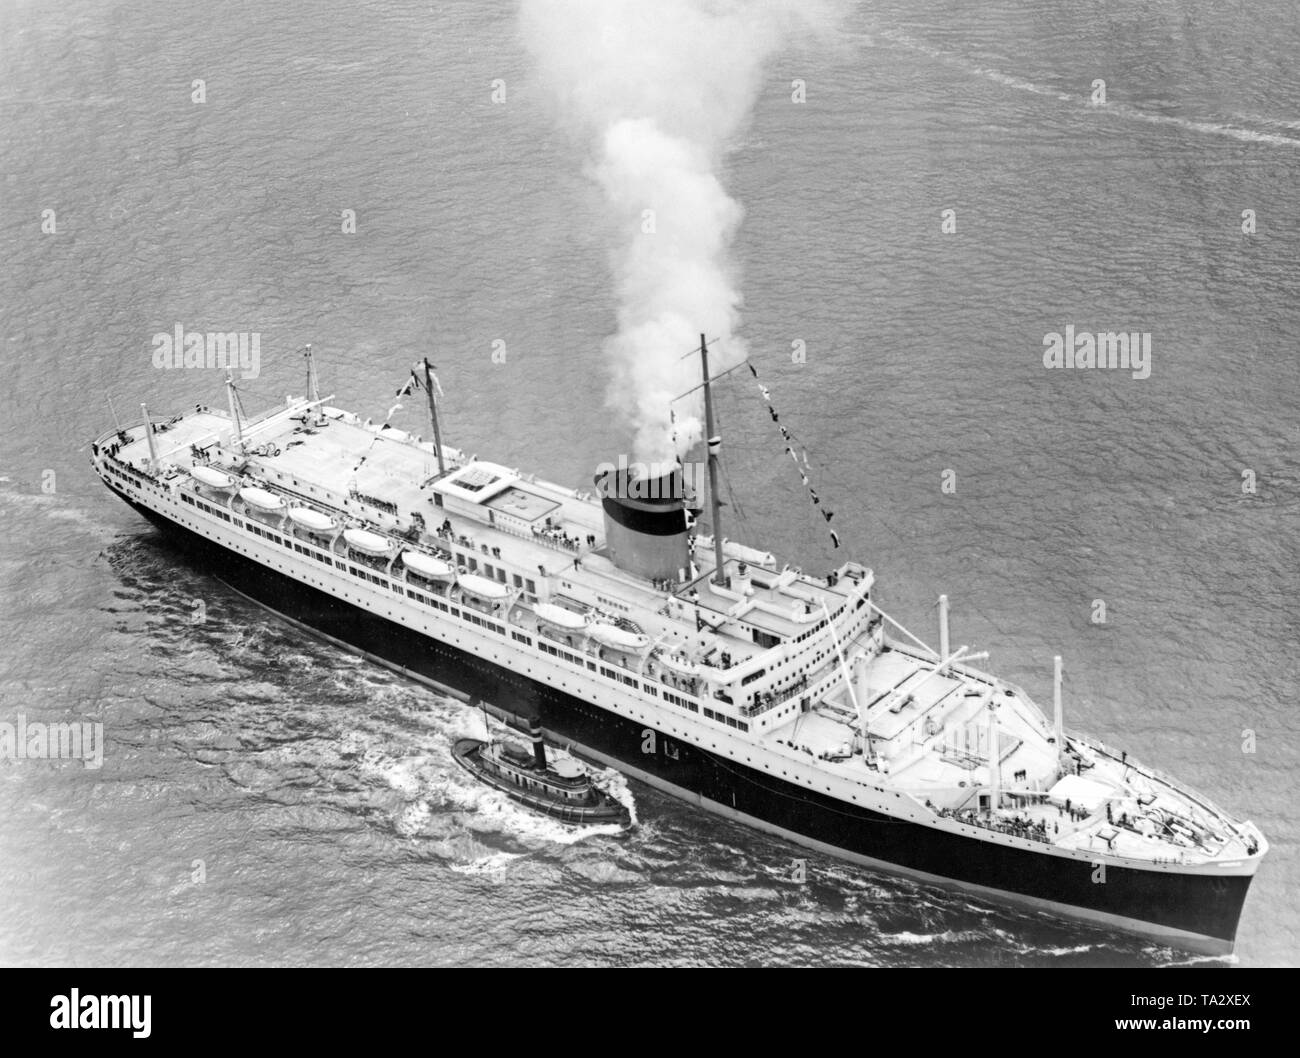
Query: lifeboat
point(620, 638)
point(261, 499)
point(740, 552)
point(211, 477)
point(751, 555)
point(680, 665)
point(366, 541)
point(482, 587)
point(559, 616)
point(428, 566)
point(312, 521)
point(692, 670)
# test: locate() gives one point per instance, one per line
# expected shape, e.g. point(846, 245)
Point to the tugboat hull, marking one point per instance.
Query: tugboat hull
point(467, 750)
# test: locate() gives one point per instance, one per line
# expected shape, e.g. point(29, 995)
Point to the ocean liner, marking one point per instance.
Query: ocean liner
point(702, 667)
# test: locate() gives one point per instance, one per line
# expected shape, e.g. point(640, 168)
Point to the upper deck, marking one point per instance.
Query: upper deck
point(485, 514)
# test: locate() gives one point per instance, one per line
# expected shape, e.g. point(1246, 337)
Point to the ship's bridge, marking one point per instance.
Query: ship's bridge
point(767, 606)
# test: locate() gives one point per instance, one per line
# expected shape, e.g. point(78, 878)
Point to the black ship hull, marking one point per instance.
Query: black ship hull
point(1188, 911)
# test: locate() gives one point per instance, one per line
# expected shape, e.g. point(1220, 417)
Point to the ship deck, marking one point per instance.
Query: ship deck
point(1101, 804)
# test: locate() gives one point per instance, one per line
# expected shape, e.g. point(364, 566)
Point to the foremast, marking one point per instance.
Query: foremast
point(713, 444)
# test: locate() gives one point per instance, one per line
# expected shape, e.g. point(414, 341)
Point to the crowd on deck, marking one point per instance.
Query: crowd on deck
point(374, 501)
point(554, 533)
point(1017, 826)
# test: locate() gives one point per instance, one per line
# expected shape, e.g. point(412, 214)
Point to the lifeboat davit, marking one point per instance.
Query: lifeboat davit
point(620, 638)
point(366, 541)
point(312, 521)
point(559, 616)
point(482, 587)
point(211, 477)
point(428, 566)
point(261, 499)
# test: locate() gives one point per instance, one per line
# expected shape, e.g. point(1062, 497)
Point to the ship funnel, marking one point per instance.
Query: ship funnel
point(645, 520)
point(539, 748)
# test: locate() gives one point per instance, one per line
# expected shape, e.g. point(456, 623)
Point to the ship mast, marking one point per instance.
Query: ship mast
point(1058, 712)
point(433, 414)
point(237, 440)
point(714, 444)
point(313, 383)
point(153, 446)
point(995, 763)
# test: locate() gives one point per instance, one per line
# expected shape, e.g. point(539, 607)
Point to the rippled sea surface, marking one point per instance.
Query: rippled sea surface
point(318, 792)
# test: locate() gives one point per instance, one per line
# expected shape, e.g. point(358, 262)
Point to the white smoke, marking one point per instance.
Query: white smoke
point(658, 90)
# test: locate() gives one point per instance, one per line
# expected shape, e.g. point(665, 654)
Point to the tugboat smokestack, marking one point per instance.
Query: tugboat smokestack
point(539, 749)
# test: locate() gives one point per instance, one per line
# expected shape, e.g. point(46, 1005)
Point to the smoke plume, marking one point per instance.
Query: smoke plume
point(656, 91)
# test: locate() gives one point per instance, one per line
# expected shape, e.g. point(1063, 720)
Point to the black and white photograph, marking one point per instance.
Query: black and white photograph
point(649, 484)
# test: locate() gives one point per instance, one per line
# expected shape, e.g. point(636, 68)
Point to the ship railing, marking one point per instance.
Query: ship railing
point(959, 815)
point(780, 697)
point(109, 436)
point(130, 468)
point(540, 538)
point(799, 687)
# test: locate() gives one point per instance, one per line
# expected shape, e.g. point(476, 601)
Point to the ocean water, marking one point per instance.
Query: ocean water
point(266, 799)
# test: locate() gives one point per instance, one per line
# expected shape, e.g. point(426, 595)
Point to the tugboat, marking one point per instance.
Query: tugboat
point(563, 790)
